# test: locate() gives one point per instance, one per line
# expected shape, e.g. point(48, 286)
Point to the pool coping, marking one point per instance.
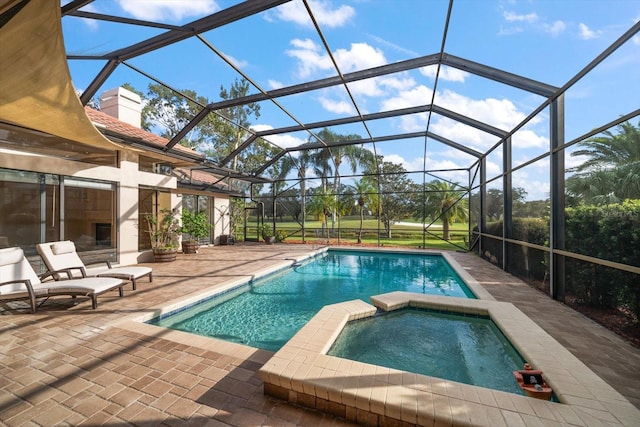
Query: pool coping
point(302, 373)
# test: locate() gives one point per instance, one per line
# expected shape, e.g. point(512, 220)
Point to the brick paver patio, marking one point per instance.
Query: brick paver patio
point(71, 365)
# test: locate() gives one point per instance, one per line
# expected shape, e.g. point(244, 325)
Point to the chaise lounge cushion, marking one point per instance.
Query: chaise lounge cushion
point(61, 248)
point(14, 266)
point(62, 255)
point(77, 286)
point(18, 281)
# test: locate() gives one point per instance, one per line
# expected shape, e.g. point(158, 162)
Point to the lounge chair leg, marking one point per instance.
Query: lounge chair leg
point(121, 291)
point(150, 277)
point(94, 301)
point(133, 282)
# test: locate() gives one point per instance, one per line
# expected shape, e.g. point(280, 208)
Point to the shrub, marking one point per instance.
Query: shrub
point(525, 263)
point(610, 232)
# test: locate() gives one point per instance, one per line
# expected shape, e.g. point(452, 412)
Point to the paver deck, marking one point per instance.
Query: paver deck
point(71, 365)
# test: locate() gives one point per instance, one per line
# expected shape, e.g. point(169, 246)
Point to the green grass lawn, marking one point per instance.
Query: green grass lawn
point(345, 232)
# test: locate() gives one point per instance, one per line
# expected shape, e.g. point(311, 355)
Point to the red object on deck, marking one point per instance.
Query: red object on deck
point(532, 383)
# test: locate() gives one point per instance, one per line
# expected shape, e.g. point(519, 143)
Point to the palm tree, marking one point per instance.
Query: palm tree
point(302, 164)
point(612, 170)
point(327, 161)
point(365, 197)
point(321, 205)
point(446, 201)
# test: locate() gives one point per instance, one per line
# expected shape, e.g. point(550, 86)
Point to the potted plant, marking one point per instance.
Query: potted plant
point(194, 226)
point(281, 235)
point(163, 232)
point(266, 231)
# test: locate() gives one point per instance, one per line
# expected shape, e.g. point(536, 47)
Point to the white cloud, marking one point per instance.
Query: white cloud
point(527, 138)
point(156, 10)
point(586, 33)
point(237, 62)
point(275, 84)
point(396, 83)
point(555, 28)
point(92, 24)
point(571, 161)
point(312, 60)
point(514, 17)
point(368, 87)
point(359, 57)
point(446, 73)
point(410, 165)
point(418, 95)
point(500, 113)
point(508, 31)
point(462, 134)
point(326, 15)
point(518, 23)
point(309, 56)
point(338, 107)
point(282, 140)
point(493, 169)
point(536, 189)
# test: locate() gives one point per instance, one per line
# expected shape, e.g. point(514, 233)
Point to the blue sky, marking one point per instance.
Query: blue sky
point(544, 40)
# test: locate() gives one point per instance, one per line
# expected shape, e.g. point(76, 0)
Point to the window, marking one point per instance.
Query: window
point(38, 207)
point(90, 214)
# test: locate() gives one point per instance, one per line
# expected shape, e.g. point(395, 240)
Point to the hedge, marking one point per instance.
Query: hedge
point(610, 232)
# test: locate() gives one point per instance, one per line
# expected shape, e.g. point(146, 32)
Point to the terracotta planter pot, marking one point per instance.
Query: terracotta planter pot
point(189, 247)
point(164, 255)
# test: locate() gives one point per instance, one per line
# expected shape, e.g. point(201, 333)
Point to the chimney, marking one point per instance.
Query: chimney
point(122, 104)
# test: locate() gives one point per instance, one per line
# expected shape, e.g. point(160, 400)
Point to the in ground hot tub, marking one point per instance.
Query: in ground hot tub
point(302, 373)
point(469, 349)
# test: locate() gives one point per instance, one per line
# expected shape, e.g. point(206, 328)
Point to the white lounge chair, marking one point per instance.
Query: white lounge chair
point(63, 256)
point(19, 281)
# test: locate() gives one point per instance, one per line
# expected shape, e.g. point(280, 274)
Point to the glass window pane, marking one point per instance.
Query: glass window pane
point(20, 209)
point(89, 214)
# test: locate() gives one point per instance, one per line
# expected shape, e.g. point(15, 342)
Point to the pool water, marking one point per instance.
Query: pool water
point(266, 313)
point(466, 349)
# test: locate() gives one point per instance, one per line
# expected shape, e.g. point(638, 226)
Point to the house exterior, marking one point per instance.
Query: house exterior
point(53, 189)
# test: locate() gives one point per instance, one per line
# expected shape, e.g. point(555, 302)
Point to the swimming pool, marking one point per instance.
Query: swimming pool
point(468, 349)
point(266, 313)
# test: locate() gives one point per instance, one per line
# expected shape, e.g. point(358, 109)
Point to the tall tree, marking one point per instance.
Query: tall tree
point(301, 164)
point(611, 172)
point(495, 201)
point(232, 124)
point(447, 202)
point(322, 204)
point(168, 112)
point(366, 196)
point(324, 162)
point(327, 161)
point(217, 135)
point(395, 194)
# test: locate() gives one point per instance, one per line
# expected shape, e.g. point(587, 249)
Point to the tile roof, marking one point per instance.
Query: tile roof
point(128, 131)
point(131, 132)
